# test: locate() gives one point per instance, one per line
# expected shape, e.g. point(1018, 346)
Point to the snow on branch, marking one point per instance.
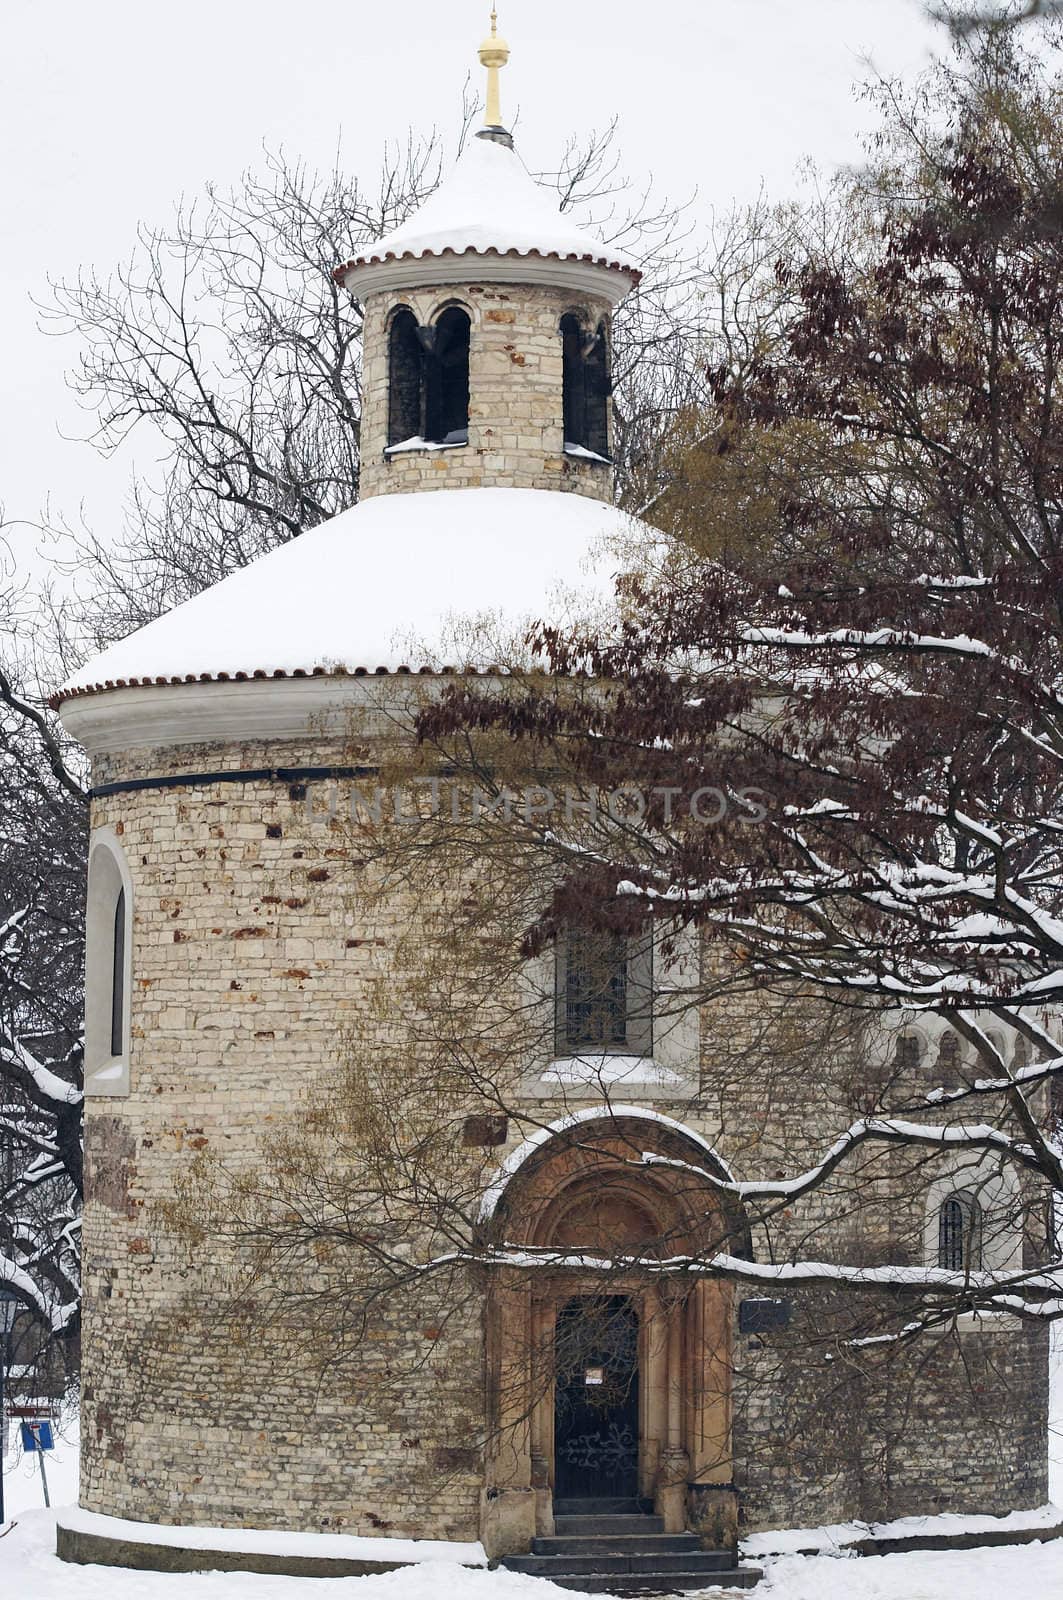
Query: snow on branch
point(49, 1085)
point(1034, 1294)
point(56, 1315)
point(889, 1130)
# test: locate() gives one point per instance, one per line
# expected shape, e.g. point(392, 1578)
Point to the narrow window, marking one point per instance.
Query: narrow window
point(108, 937)
point(949, 1060)
point(959, 1244)
point(586, 385)
point(598, 389)
point(446, 402)
point(574, 399)
point(118, 977)
point(604, 994)
point(405, 378)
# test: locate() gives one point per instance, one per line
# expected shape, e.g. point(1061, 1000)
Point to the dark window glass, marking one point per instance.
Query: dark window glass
point(574, 399)
point(908, 1052)
point(118, 977)
point(447, 379)
point(586, 384)
point(405, 378)
point(596, 991)
point(598, 389)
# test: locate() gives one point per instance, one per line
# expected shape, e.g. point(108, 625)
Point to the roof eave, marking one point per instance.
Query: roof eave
point(605, 277)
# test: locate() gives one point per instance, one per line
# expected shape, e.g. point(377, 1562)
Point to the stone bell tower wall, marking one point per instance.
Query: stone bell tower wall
point(516, 425)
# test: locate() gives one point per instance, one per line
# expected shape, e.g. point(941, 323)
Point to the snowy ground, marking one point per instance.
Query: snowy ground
point(28, 1566)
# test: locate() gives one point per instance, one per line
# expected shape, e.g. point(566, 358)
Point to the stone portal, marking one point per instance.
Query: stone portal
point(596, 1313)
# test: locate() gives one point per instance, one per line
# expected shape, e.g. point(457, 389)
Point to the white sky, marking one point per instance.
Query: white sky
point(111, 111)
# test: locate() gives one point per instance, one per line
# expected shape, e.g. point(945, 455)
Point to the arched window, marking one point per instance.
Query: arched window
point(108, 967)
point(118, 977)
point(586, 385)
point(428, 379)
point(447, 379)
point(405, 378)
point(959, 1234)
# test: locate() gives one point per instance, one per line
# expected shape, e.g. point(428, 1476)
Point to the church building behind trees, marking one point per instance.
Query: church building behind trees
point(234, 963)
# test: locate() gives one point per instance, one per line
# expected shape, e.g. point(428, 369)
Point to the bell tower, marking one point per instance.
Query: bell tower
point(487, 332)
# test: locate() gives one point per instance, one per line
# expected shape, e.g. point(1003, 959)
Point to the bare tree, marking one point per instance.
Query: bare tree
point(42, 817)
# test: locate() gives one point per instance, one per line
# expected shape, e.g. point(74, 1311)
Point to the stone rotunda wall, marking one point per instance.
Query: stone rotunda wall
point(252, 953)
point(250, 958)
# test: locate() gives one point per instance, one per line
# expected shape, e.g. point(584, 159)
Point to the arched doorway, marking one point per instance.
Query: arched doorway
point(612, 1208)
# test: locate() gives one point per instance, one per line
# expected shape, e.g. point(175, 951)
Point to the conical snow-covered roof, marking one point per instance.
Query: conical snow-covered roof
point(399, 583)
point(489, 206)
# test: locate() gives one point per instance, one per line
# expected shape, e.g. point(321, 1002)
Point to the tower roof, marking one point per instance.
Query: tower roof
point(488, 207)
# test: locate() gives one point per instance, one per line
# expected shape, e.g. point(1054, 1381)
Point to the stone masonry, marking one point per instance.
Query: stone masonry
point(253, 953)
point(516, 433)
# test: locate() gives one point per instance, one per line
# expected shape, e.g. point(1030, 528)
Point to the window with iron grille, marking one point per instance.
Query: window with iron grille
point(959, 1234)
point(604, 994)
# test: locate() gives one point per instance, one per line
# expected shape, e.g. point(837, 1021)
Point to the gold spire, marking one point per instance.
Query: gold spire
point(494, 53)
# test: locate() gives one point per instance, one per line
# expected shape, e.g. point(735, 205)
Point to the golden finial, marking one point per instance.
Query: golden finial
point(494, 53)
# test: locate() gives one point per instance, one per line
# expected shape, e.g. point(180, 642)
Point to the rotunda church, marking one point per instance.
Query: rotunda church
point(230, 952)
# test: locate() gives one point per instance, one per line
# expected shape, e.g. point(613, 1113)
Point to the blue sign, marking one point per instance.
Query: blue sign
point(37, 1435)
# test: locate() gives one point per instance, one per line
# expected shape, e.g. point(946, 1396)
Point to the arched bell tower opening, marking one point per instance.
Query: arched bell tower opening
point(587, 384)
point(428, 379)
point(609, 1377)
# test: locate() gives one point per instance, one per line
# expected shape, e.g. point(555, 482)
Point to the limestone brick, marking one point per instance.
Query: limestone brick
point(253, 952)
point(516, 431)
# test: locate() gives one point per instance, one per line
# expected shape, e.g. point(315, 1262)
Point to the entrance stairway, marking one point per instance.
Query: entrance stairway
point(617, 1547)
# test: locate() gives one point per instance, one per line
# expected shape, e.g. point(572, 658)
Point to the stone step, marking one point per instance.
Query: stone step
point(601, 1508)
point(665, 1584)
point(628, 1543)
point(608, 1526)
point(707, 1562)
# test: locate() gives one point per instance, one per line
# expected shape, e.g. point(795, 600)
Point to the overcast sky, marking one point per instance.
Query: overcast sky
point(111, 111)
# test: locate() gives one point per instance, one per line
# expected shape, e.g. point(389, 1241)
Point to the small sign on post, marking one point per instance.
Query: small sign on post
point(37, 1435)
point(36, 1440)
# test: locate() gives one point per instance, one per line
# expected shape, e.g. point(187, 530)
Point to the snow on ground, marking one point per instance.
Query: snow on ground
point(1033, 1571)
point(834, 1537)
point(28, 1565)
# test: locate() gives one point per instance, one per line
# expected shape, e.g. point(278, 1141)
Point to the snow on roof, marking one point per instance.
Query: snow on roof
point(403, 582)
point(491, 203)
